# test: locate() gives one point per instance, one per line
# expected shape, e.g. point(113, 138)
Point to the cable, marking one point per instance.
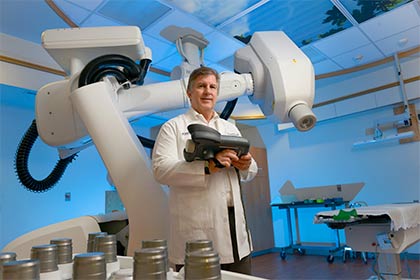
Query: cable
point(229, 107)
point(21, 164)
point(121, 67)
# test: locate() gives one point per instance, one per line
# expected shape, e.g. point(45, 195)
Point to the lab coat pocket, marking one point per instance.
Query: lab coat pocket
point(195, 211)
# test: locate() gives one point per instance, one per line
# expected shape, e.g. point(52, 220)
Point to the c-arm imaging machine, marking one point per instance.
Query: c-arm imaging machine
point(103, 93)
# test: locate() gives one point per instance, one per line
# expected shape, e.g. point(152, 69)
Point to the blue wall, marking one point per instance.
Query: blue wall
point(21, 210)
point(325, 156)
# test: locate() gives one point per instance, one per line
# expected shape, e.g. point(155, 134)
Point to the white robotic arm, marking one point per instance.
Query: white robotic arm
point(96, 103)
point(276, 75)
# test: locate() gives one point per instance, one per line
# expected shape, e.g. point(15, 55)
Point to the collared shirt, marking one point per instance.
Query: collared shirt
point(198, 202)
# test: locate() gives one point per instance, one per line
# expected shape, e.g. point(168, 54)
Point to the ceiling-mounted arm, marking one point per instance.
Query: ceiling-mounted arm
point(283, 77)
point(190, 45)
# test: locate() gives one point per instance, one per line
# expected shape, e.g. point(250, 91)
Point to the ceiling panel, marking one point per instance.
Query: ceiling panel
point(214, 12)
point(313, 54)
point(96, 20)
point(28, 19)
point(326, 66)
point(221, 46)
point(363, 10)
point(86, 4)
point(401, 41)
point(160, 49)
point(75, 12)
point(342, 42)
point(178, 18)
point(139, 13)
point(359, 56)
point(401, 19)
point(304, 21)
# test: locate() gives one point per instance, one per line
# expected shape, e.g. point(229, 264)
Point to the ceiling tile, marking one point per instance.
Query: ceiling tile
point(160, 49)
point(359, 56)
point(74, 12)
point(28, 19)
point(366, 9)
point(90, 5)
point(400, 41)
point(398, 20)
point(313, 54)
point(141, 13)
point(342, 42)
point(214, 12)
point(168, 63)
point(180, 19)
point(303, 21)
point(326, 66)
point(96, 20)
point(220, 46)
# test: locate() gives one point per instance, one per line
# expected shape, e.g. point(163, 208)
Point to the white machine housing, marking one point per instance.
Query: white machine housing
point(283, 76)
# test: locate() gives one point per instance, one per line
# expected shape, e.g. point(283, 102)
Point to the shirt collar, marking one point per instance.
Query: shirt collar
point(196, 115)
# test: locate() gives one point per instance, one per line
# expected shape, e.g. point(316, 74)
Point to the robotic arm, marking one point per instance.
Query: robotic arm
point(104, 92)
point(276, 75)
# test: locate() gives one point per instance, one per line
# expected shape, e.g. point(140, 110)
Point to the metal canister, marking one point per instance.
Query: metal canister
point(91, 240)
point(21, 270)
point(149, 263)
point(90, 266)
point(202, 265)
point(198, 245)
point(108, 245)
point(158, 244)
point(7, 257)
point(64, 249)
point(47, 256)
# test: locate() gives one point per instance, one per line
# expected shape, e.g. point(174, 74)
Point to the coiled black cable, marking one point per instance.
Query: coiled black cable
point(21, 164)
point(121, 67)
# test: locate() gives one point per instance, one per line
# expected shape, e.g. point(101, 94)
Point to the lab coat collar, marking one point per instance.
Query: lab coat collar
point(196, 115)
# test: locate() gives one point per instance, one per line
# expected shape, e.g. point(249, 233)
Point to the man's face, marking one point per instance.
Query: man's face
point(203, 94)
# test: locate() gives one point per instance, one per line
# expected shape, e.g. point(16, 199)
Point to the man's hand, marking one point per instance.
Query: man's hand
point(229, 158)
point(243, 162)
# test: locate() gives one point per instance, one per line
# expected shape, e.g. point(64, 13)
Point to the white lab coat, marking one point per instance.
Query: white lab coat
point(198, 202)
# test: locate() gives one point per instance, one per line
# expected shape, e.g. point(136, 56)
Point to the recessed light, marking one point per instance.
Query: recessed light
point(402, 42)
point(358, 57)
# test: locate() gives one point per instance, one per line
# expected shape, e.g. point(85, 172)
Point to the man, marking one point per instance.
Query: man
point(204, 199)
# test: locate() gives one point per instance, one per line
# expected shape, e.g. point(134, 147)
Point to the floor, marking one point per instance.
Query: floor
point(271, 266)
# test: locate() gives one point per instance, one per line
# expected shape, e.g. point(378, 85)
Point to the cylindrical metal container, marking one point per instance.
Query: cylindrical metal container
point(91, 240)
point(21, 270)
point(47, 256)
point(202, 265)
point(64, 249)
point(158, 244)
point(7, 257)
point(108, 245)
point(198, 245)
point(90, 266)
point(149, 263)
